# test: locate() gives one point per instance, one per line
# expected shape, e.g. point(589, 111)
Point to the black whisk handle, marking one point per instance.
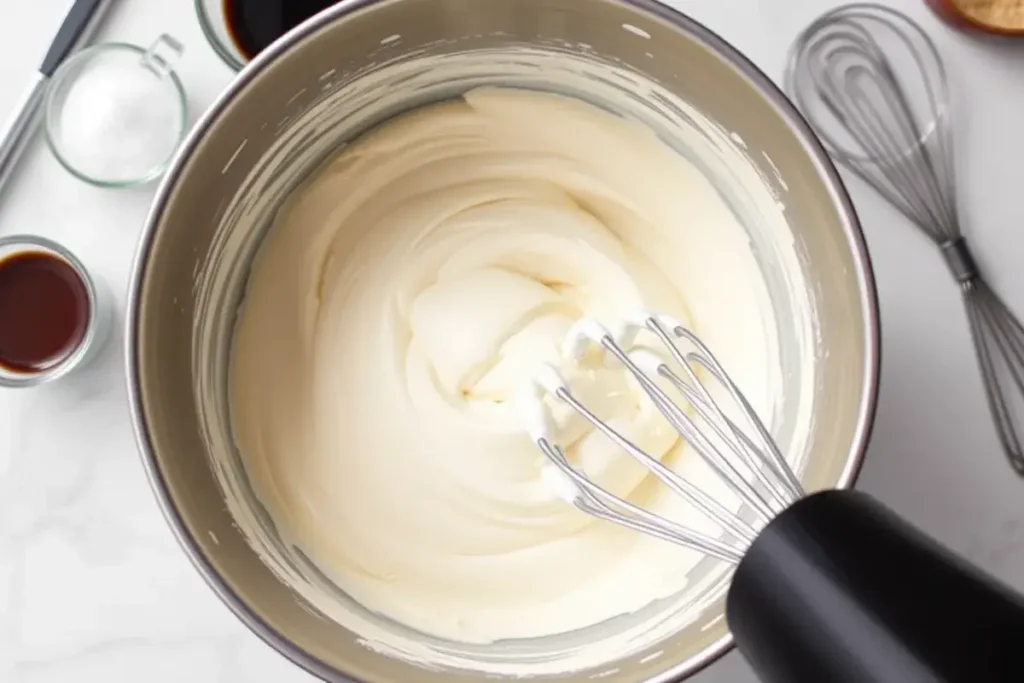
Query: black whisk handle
point(840, 589)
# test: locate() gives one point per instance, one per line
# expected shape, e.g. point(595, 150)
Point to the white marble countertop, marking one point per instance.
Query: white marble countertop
point(92, 585)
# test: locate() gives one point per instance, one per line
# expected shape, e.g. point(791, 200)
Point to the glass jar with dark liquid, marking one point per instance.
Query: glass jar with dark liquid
point(238, 30)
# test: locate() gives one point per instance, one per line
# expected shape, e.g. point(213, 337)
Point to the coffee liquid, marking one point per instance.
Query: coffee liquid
point(255, 24)
point(44, 311)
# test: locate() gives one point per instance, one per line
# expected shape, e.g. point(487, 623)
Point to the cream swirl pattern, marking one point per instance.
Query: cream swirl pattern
point(405, 293)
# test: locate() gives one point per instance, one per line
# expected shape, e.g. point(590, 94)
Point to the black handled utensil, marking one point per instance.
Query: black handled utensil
point(837, 588)
point(78, 27)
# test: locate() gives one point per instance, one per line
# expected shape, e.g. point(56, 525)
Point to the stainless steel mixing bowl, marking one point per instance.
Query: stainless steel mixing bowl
point(305, 95)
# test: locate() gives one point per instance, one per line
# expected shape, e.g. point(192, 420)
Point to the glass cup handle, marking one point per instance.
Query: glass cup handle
point(162, 54)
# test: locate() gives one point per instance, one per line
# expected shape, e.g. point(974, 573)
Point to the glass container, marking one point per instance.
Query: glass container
point(116, 113)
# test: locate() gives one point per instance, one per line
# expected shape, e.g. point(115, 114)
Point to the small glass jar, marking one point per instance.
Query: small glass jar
point(98, 317)
point(116, 113)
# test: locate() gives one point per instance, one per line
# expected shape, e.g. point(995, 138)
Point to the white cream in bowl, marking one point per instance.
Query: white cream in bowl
point(405, 291)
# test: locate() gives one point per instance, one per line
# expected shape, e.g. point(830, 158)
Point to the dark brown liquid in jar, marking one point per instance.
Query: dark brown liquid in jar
point(44, 311)
point(255, 24)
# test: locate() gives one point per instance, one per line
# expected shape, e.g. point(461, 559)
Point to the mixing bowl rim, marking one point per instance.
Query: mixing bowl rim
point(707, 38)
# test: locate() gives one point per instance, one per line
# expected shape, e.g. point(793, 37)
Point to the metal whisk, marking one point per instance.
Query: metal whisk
point(724, 430)
point(827, 586)
point(873, 86)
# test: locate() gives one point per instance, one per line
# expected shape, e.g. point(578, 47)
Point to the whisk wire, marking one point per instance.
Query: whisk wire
point(998, 336)
point(703, 357)
point(747, 460)
point(711, 414)
point(697, 395)
point(596, 501)
point(705, 503)
point(884, 127)
point(724, 467)
point(908, 187)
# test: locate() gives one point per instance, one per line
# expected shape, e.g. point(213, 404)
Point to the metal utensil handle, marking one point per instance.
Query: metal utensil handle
point(18, 129)
point(78, 26)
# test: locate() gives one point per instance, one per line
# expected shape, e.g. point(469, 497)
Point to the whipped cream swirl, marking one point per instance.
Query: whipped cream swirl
point(405, 293)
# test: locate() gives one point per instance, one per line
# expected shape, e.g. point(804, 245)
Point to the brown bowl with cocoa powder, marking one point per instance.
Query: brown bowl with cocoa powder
point(1001, 17)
